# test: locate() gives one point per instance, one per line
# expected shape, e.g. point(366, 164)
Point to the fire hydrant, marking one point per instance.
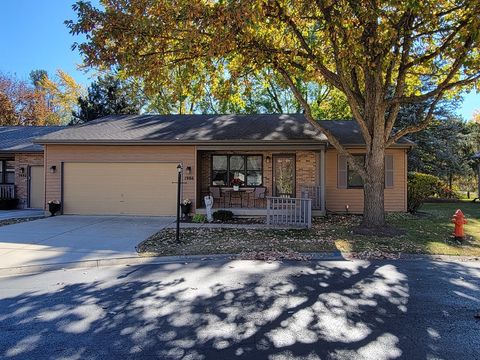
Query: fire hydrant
point(459, 220)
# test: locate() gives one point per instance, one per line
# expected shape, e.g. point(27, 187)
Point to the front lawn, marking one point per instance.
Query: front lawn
point(426, 233)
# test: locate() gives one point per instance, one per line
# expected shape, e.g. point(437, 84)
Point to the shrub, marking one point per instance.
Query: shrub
point(420, 187)
point(446, 193)
point(223, 215)
point(8, 204)
point(199, 218)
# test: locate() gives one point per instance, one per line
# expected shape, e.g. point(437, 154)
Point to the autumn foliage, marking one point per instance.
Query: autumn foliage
point(380, 55)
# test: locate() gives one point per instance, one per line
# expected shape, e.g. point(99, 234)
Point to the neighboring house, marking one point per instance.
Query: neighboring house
point(128, 164)
point(21, 164)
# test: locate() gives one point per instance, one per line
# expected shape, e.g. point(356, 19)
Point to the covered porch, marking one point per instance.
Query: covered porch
point(279, 172)
point(7, 177)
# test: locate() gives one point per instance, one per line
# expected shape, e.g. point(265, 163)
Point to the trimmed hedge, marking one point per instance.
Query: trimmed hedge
point(222, 215)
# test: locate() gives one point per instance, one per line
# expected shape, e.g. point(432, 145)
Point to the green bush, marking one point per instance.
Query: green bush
point(223, 215)
point(420, 187)
point(199, 218)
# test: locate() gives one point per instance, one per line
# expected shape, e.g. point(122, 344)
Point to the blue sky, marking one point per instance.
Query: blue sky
point(33, 36)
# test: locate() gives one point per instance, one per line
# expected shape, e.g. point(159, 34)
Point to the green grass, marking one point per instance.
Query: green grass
point(426, 233)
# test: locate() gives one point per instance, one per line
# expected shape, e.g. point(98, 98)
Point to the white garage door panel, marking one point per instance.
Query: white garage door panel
point(119, 188)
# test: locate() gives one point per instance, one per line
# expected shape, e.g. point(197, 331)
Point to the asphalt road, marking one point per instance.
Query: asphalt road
point(245, 310)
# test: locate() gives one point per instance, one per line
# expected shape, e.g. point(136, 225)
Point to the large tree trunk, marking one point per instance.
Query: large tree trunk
point(373, 190)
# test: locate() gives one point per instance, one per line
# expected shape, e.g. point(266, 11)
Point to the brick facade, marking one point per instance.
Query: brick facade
point(306, 170)
point(24, 161)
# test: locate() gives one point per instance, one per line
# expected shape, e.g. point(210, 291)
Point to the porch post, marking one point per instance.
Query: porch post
point(322, 180)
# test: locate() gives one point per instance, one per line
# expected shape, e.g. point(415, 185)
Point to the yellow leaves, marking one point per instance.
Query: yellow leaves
point(476, 116)
point(62, 93)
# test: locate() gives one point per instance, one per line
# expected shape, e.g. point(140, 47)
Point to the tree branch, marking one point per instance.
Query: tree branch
point(327, 74)
point(422, 125)
point(448, 40)
point(445, 84)
point(308, 115)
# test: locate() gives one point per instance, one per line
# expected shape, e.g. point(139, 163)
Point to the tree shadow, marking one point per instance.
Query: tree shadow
point(249, 310)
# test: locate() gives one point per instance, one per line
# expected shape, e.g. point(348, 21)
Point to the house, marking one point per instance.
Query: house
point(21, 164)
point(128, 164)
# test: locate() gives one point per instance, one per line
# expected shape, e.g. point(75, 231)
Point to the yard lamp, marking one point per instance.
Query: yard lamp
point(179, 184)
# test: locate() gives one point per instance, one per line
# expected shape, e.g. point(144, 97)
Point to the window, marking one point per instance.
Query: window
point(247, 168)
point(254, 170)
point(219, 170)
point(7, 172)
point(348, 178)
point(353, 179)
point(237, 168)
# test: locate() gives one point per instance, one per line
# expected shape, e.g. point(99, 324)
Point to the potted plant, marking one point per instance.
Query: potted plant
point(186, 206)
point(54, 207)
point(236, 183)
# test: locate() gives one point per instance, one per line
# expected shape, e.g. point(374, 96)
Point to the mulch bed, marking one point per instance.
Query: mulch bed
point(19, 220)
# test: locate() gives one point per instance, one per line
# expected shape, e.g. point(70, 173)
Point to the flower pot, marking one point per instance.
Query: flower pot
point(236, 187)
point(186, 209)
point(54, 208)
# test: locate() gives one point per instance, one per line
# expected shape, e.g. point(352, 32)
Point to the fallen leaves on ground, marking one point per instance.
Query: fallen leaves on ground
point(372, 255)
point(425, 234)
point(273, 255)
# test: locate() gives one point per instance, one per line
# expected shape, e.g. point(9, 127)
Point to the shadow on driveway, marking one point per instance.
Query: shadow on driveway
point(69, 238)
point(249, 310)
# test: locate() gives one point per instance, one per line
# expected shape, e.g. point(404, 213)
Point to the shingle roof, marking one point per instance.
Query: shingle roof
point(190, 128)
point(204, 128)
point(348, 132)
point(20, 138)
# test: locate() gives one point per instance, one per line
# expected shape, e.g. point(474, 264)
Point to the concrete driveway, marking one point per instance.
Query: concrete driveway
point(64, 239)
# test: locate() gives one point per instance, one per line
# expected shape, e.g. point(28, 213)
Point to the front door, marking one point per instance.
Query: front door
point(284, 175)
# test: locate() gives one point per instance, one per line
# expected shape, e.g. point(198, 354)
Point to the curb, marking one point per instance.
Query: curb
point(138, 260)
point(159, 260)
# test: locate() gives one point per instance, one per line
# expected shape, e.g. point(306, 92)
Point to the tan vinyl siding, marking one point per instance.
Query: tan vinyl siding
point(55, 155)
point(337, 199)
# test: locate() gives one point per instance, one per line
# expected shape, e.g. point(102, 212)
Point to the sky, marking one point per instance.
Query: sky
point(33, 36)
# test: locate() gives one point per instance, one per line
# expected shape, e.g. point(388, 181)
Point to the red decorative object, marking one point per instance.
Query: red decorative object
point(236, 182)
point(459, 220)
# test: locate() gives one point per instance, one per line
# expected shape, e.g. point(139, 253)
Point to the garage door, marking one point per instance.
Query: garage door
point(119, 188)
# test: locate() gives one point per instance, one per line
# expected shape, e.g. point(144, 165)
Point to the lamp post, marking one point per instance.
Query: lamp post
point(179, 184)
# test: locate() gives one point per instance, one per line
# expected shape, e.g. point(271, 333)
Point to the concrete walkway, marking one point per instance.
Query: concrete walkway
point(20, 213)
point(65, 239)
